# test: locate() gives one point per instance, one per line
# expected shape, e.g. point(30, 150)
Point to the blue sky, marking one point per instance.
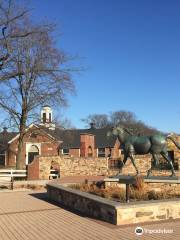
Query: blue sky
point(131, 50)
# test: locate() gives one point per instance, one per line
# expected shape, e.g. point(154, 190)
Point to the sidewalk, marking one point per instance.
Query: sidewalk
point(28, 215)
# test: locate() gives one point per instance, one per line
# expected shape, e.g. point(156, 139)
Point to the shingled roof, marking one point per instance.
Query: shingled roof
point(71, 137)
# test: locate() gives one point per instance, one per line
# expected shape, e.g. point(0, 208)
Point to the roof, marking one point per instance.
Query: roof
point(71, 137)
point(5, 137)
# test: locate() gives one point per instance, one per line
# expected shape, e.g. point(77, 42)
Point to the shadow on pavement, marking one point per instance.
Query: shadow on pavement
point(43, 196)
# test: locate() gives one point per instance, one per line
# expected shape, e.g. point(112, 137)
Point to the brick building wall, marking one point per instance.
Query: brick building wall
point(88, 140)
point(35, 137)
point(87, 145)
point(74, 152)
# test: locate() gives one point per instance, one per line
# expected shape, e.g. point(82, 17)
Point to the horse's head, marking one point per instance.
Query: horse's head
point(118, 132)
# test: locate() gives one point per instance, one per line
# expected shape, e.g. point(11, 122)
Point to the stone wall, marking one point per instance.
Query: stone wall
point(143, 163)
point(79, 166)
point(85, 203)
point(71, 166)
point(113, 212)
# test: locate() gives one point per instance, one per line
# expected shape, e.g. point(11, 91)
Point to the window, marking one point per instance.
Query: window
point(44, 117)
point(90, 151)
point(33, 151)
point(101, 152)
point(65, 151)
point(33, 135)
point(2, 158)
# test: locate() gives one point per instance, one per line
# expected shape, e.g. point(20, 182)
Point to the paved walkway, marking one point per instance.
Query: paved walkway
point(28, 215)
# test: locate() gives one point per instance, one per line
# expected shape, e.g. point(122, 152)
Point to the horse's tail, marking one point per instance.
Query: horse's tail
point(177, 144)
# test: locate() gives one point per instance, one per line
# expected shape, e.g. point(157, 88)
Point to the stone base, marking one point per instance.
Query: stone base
point(162, 179)
point(113, 212)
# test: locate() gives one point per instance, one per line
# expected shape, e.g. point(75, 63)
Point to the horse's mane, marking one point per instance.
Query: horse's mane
point(126, 130)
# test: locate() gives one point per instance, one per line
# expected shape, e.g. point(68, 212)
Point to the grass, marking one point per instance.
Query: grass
point(138, 191)
point(31, 186)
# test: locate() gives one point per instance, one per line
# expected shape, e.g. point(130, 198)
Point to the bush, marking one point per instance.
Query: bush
point(139, 183)
point(74, 186)
point(138, 192)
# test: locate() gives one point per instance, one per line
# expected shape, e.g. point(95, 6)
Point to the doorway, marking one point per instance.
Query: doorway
point(32, 152)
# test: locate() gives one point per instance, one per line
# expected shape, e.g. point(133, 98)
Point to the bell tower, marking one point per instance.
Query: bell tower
point(46, 117)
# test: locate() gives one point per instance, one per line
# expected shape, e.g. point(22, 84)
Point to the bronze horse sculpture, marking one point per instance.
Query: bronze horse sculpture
point(140, 145)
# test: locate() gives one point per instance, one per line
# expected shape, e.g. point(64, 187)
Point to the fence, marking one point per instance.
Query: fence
point(7, 176)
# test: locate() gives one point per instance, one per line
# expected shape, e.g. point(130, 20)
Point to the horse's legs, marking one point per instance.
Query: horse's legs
point(133, 162)
point(125, 158)
point(156, 160)
point(168, 159)
point(124, 161)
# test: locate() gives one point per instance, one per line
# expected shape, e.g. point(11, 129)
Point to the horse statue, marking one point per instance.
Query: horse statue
point(133, 145)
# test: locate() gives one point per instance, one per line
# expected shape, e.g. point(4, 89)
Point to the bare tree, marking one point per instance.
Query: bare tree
point(129, 120)
point(63, 122)
point(99, 120)
point(121, 117)
point(11, 14)
point(35, 74)
point(124, 118)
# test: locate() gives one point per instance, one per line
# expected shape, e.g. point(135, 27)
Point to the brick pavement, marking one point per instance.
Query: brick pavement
point(28, 216)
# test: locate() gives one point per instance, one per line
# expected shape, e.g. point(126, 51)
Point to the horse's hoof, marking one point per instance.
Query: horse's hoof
point(173, 175)
point(149, 173)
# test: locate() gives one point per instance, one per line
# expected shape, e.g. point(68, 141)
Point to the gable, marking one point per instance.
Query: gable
point(34, 134)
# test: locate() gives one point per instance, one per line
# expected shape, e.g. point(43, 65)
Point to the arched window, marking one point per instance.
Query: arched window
point(33, 151)
point(90, 151)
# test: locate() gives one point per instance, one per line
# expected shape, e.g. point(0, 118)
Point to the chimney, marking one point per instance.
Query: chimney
point(92, 125)
point(87, 145)
point(5, 130)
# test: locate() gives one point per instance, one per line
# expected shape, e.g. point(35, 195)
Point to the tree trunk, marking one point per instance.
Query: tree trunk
point(20, 162)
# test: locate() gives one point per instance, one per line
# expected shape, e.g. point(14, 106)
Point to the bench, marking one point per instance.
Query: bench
point(54, 174)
